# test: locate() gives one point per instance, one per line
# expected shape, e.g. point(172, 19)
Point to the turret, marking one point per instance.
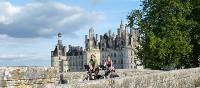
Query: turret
point(113, 35)
point(96, 37)
point(91, 42)
point(101, 37)
point(121, 25)
point(59, 39)
point(58, 56)
point(119, 32)
point(120, 29)
point(96, 43)
point(91, 33)
point(109, 33)
point(126, 36)
point(86, 41)
point(86, 37)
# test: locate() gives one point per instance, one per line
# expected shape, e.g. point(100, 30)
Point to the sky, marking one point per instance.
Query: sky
point(29, 28)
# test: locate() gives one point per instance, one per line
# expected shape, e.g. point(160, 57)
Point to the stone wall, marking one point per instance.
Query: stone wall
point(27, 77)
point(41, 77)
point(185, 78)
point(73, 77)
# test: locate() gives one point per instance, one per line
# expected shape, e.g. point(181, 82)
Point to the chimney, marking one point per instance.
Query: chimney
point(96, 37)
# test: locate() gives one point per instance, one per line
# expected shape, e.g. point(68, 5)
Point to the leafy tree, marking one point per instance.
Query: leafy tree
point(167, 40)
point(195, 31)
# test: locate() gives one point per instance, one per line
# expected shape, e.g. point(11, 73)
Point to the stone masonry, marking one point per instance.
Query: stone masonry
point(185, 78)
point(42, 77)
point(28, 77)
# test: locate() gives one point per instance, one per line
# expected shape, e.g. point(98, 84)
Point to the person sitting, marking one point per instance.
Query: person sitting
point(93, 64)
point(109, 66)
point(62, 81)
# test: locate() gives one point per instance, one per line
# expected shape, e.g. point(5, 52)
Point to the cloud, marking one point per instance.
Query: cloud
point(14, 56)
point(24, 60)
point(7, 41)
point(40, 19)
point(7, 12)
point(23, 56)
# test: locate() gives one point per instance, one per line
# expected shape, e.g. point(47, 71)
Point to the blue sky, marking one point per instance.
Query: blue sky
point(28, 28)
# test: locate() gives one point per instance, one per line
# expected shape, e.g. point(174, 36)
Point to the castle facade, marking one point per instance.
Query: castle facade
point(121, 47)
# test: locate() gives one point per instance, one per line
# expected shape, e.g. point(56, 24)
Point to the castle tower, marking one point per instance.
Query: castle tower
point(120, 30)
point(58, 57)
point(91, 38)
point(91, 33)
point(126, 36)
point(86, 42)
point(121, 25)
point(109, 32)
point(92, 46)
point(96, 42)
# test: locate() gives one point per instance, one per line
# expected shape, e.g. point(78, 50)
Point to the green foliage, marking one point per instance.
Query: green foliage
point(195, 31)
point(171, 33)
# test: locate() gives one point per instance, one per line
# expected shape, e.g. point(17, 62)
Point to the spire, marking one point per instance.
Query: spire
point(113, 35)
point(91, 33)
point(59, 38)
point(59, 35)
point(91, 42)
point(109, 32)
point(121, 25)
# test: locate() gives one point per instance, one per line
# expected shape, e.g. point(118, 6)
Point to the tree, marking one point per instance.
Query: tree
point(166, 41)
point(195, 31)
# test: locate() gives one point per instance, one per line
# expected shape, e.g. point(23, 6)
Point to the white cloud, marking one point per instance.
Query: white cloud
point(7, 12)
point(15, 56)
point(22, 59)
point(11, 41)
point(40, 19)
point(25, 49)
point(8, 56)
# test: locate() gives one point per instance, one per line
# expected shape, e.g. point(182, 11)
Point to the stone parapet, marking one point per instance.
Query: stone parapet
point(41, 77)
point(27, 77)
point(74, 77)
point(185, 78)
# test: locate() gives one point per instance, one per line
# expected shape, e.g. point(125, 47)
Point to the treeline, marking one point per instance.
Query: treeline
point(171, 33)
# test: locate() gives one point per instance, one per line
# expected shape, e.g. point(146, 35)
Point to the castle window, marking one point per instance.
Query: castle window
point(131, 53)
point(122, 42)
point(59, 53)
point(86, 44)
point(74, 63)
point(114, 61)
point(103, 45)
point(114, 54)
